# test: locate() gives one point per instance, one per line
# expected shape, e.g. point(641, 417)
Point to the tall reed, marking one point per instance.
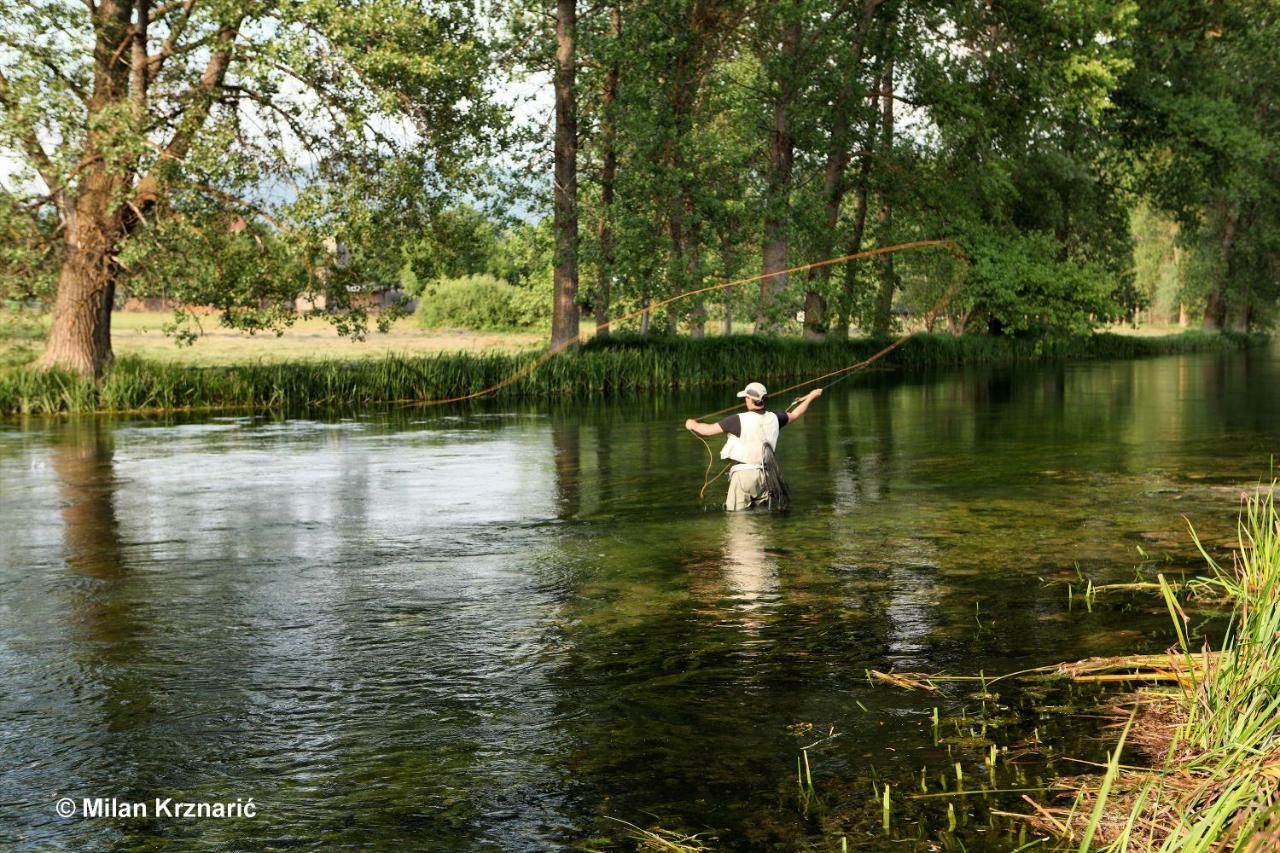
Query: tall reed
point(619, 365)
point(1216, 781)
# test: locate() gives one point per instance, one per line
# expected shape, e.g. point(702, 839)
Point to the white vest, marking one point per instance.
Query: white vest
point(758, 428)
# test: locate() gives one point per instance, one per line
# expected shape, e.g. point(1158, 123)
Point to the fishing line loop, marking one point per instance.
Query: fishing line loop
point(555, 350)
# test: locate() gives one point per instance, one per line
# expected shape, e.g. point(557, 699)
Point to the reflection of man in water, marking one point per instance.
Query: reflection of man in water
point(752, 575)
point(753, 435)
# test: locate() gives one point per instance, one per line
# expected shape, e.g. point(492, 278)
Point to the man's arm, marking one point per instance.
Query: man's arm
point(794, 414)
point(705, 430)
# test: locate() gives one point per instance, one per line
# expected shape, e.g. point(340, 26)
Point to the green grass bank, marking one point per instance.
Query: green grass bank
point(610, 367)
point(1197, 768)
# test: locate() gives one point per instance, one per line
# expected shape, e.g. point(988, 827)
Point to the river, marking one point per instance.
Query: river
point(514, 626)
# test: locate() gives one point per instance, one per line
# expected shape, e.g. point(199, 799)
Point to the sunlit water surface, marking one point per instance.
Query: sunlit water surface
point(515, 626)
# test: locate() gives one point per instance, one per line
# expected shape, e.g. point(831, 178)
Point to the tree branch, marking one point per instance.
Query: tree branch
point(160, 11)
point(138, 60)
point(31, 146)
point(247, 205)
point(200, 97)
point(241, 92)
point(169, 45)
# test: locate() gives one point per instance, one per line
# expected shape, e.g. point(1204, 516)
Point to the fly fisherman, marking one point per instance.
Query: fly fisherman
point(755, 478)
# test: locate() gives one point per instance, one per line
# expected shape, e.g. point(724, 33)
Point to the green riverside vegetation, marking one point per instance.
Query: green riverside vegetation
point(1214, 743)
point(603, 367)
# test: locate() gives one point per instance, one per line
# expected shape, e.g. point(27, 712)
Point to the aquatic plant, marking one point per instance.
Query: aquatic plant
point(1214, 741)
point(616, 366)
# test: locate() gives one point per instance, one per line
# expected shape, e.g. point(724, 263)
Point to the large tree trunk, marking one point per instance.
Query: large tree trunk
point(1215, 308)
point(833, 187)
point(564, 308)
point(777, 213)
point(815, 310)
point(80, 336)
point(608, 172)
point(682, 227)
point(854, 245)
point(882, 317)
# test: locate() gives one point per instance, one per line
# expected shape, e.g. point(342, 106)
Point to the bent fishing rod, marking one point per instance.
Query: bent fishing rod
point(842, 373)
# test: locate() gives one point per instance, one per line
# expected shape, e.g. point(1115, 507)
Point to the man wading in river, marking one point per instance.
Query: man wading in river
point(755, 478)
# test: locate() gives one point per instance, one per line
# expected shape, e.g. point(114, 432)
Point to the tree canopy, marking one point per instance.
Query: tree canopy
point(236, 154)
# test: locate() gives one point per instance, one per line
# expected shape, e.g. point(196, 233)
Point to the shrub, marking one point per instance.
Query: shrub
point(482, 302)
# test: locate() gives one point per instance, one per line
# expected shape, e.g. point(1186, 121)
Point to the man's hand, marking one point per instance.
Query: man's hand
point(802, 404)
point(699, 428)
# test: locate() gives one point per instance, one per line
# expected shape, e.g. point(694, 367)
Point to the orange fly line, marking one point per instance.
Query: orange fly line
point(555, 350)
point(844, 372)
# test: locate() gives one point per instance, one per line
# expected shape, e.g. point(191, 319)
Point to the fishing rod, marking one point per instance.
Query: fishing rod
point(842, 373)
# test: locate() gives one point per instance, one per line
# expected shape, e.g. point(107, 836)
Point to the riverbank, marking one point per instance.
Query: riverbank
point(1206, 751)
point(601, 367)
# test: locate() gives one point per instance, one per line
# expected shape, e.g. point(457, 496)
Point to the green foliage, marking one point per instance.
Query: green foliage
point(1037, 127)
point(28, 256)
point(522, 255)
point(246, 269)
point(458, 241)
point(1197, 116)
point(1022, 284)
point(483, 303)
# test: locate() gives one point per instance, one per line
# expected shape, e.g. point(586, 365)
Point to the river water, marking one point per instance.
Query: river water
point(515, 626)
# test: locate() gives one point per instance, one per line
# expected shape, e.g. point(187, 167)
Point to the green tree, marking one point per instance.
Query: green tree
point(1199, 107)
point(145, 120)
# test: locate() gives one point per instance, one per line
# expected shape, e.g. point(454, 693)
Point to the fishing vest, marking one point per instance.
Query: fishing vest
point(747, 448)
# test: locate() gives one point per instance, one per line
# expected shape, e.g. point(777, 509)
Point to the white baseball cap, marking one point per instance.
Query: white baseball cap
point(755, 391)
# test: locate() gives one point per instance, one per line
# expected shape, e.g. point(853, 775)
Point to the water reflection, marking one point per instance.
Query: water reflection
point(109, 631)
point(82, 457)
point(750, 572)
point(566, 444)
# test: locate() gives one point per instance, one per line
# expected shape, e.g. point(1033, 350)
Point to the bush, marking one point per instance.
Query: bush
point(484, 303)
point(1021, 282)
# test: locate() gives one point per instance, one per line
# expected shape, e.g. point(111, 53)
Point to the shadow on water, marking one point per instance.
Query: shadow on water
point(512, 625)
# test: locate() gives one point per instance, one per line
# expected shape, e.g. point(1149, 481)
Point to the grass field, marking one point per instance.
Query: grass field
point(142, 334)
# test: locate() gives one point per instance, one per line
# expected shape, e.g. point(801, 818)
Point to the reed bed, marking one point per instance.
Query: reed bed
point(620, 365)
point(1213, 740)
